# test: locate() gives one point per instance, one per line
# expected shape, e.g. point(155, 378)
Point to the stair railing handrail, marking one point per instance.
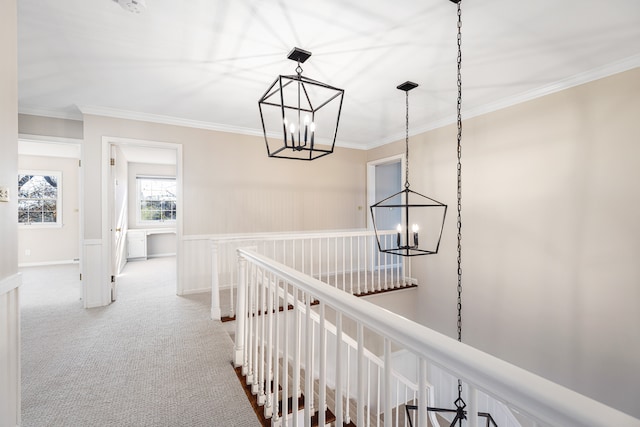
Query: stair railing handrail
point(222, 261)
point(537, 397)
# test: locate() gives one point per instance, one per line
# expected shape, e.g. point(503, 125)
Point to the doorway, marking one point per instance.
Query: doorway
point(384, 178)
point(132, 236)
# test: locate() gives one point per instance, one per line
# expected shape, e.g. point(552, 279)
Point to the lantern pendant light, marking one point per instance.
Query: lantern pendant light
point(419, 219)
point(299, 115)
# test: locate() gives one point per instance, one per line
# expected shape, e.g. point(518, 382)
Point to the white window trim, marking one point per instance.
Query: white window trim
point(144, 223)
point(58, 223)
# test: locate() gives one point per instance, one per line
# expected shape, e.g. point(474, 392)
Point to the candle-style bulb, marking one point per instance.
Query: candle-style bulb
point(285, 123)
point(312, 127)
point(415, 228)
point(306, 128)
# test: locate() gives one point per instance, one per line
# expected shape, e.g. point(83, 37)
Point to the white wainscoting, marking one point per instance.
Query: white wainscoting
point(96, 290)
point(10, 350)
point(196, 264)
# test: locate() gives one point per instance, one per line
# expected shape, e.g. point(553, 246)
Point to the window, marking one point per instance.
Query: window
point(39, 198)
point(156, 199)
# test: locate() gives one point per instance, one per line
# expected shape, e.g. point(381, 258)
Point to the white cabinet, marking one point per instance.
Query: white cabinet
point(136, 244)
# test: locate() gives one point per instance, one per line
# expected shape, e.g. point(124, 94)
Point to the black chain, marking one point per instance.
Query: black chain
point(406, 143)
point(459, 223)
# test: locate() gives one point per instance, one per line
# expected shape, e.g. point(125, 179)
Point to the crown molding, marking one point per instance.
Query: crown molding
point(50, 112)
point(567, 83)
point(576, 80)
point(167, 120)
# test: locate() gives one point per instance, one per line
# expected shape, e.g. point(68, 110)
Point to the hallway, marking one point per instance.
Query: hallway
point(149, 359)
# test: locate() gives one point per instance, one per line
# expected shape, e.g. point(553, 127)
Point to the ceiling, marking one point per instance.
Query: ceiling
point(205, 63)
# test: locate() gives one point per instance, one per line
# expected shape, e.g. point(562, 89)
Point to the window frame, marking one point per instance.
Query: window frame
point(37, 172)
point(160, 222)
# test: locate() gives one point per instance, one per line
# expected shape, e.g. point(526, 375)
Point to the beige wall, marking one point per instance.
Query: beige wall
point(231, 186)
point(48, 126)
point(551, 237)
point(55, 244)
point(9, 279)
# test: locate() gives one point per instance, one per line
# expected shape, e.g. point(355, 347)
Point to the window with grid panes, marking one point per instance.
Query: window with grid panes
point(39, 198)
point(156, 199)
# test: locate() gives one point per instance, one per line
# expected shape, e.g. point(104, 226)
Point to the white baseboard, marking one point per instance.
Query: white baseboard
point(196, 291)
point(161, 255)
point(46, 263)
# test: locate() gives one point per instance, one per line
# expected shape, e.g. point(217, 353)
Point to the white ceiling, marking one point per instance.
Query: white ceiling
point(205, 63)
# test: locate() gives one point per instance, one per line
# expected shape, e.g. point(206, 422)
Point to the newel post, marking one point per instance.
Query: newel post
point(241, 311)
point(215, 283)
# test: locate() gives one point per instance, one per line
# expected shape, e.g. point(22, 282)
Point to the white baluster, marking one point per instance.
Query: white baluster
point(351, 265)
point(335, 262)
point(397, 263)
point(377, 287)
point(347, 418)
point(262, 313)
point(378, 395)
point(338, 403)
point(311, 258)
point(366, 264)
point(344, 269)
point(256, 332)
point(472, 409)
point(270, 344)
point(308, 370)
point(304, 263)
point(276, 356)
point(250, 337)
point(239, 350)
point(386, 268)
point(423, 399)
point(328, 268)
point(296, 356)
point(388, 420)
point(361, 376)
point(322, 355)
point(319, 259)
point(285, 356)
point(293, 254)
point(397, 383)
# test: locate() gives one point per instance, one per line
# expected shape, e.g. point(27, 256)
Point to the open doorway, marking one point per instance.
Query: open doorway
point(49, 201)
point(142, 211)
point(384, 178)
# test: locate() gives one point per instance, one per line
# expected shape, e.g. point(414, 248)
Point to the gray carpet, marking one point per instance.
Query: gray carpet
point(149, 359)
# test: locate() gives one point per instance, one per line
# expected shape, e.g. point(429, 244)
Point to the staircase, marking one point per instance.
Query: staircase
point(304, 352)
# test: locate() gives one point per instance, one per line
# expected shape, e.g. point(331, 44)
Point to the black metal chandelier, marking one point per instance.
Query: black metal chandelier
point(421, 218)
point(299, 115)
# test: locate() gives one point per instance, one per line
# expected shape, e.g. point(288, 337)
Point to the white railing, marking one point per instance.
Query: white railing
point(275, 348)
point(348, 260)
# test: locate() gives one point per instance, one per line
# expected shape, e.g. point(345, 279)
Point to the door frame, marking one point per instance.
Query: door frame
point(107, 204)
point(371, 179)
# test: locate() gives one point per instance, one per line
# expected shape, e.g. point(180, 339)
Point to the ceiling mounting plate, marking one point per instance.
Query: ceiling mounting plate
point(299, 55)
point(407, 86)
